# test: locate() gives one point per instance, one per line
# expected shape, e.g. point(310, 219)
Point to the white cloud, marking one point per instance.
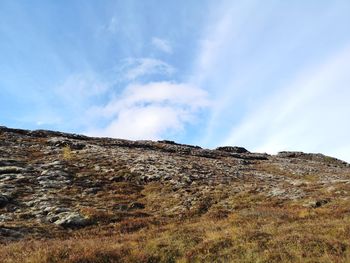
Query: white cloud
point(148, 111)
point(162, 44)
point(134, 68)
point(149, 122)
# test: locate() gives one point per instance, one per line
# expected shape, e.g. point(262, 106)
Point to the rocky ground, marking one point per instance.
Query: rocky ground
point(57, 187)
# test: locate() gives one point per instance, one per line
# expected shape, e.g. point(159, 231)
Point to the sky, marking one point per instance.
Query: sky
point(266, 75)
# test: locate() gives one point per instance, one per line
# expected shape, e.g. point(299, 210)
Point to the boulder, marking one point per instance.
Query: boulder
point(289, 154)
point(72, 220)
point(136, 205)
point(317, 203)
point(63, 142)
point(232, 149)
point(10, 170)
point(3, 201)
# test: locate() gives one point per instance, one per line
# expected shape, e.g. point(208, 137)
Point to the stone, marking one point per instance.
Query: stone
point(117, 178)
point(136, 205)
point(62, 142)
point(4, 218)
point(277, 191)
point(92, 190)
point(10, 169)
point(286, 154)
point(151, 177)
point(53, 183)
point(317, 203)
point(232, 149)
point(10, 233)
point(56, 163)
point(3, 201)
point(121, 207)
point(71, 220)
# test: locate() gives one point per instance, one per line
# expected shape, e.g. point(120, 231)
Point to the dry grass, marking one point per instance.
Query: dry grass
point(249, 228)
point(67, 153)
point(252, 234)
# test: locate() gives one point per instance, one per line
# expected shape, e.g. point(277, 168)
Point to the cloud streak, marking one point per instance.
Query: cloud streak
point(134, 68)
point(162, 44)
point(274, 86)
point(308, 114)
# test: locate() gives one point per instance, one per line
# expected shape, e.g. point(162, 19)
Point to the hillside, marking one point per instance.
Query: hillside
point(72, 198)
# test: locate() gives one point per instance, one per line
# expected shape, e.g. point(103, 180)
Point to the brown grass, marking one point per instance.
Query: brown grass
point(253, 234)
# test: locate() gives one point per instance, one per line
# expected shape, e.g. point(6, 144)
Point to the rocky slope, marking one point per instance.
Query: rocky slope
point(58, 186)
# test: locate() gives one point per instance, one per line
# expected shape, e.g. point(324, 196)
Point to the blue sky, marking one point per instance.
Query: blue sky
point(267, 75)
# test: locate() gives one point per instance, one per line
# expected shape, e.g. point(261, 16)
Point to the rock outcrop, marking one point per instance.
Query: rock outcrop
point(58, 181)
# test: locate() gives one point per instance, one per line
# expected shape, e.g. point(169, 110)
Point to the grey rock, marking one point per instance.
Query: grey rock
point(151, 177)
point(55, 173)
point(10, 169)
point(136, 205)
point(277, 192)
point(232, 149)
point(317, 203)
point(10, 233)
point(62, 142)
point(92, 190)
point(10, 162)
point(55, 213)
point(117, 178)
point(17, 177)
point(121, 207)
point(128, 207)
point(3, 201)
point(53, 183)
point(289, 154)
point(71, 220)
point(4, 218)
point(52, 164)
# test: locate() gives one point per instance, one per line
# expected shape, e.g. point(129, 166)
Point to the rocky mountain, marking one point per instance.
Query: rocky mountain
point(72, 198)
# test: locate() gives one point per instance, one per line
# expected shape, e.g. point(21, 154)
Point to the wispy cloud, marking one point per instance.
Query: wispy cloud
point(149, 111)
point(113, 25)
point(70, 100)
point(162, 44)
point(252, 68)
point(79, 88)
point(134, 68)
point(308, 114)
